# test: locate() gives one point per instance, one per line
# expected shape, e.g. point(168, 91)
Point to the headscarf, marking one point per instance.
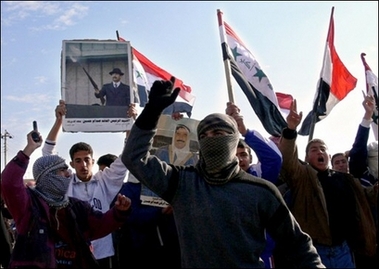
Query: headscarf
point(180, 154)
point(50, 186)
point(218, 162)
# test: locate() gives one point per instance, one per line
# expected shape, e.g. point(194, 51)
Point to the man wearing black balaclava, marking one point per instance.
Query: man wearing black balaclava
point(221, 212)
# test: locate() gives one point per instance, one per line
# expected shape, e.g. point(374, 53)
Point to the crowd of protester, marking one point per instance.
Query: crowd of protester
point(224, 210)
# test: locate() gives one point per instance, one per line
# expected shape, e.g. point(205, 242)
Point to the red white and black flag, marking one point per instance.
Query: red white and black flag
point(372, 89)
point(145, 72)
point(251, 79)
point(334, 84)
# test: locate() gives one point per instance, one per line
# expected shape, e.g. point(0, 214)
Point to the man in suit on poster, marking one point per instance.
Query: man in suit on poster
point(116, 93)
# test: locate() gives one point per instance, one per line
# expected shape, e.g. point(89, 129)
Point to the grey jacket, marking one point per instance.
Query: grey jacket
point(220, 226)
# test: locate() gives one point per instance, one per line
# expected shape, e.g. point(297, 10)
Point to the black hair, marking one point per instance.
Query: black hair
point(80, 146)
point(106, 159)
point(338, 154)
point(243, 144)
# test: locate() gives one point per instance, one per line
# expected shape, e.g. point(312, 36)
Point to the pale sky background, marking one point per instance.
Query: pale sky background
point(287, 38)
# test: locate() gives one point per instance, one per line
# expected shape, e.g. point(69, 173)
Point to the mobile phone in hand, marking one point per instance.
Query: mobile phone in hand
point(35, 134)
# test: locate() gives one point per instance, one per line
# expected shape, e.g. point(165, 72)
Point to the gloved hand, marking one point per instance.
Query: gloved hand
point(161, 96)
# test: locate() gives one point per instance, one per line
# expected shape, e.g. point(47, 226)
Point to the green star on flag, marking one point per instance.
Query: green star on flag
point(235, 53)
point(139, 75)
point(259, 74)
point(253, 82)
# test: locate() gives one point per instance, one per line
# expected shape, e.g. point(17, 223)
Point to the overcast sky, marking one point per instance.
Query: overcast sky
point(287, 39)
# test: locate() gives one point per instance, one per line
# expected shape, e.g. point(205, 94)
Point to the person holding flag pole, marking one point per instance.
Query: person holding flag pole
point(268, 165)
point(260, 104)
point(241, 63)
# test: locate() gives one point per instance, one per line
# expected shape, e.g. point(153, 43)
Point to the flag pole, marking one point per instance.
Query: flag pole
point(133, 89)
point(225, 56)
point(370, 90)
point(317, 101)
point(312, 127)
point(367, 67)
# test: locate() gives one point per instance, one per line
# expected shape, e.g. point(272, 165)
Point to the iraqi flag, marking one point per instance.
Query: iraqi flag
point(141, 83)
point(372, 89)
point(146, 72)
point(252, 80)
point(334, 84)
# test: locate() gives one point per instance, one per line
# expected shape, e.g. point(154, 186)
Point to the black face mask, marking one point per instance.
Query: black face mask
point(218, 161)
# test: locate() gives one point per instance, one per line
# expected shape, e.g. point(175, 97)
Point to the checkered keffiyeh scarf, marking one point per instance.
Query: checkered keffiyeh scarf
point(218, 162)
point(50, 186)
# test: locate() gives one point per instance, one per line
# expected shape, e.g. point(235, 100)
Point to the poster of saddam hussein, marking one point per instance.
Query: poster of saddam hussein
point(176, 135)
point(175, 143)
point(97, 85)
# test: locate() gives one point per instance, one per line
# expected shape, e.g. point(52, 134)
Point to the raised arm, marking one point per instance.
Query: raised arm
point(60, 112)
point(12, 183)
point(287, 143)
point(358, 152)
point(269, 156)
point(147, 168)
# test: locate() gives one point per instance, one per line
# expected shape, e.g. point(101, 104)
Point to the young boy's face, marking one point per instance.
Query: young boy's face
point(83, 163)
point(340, 164)
point(244, 158)
point(318, 156)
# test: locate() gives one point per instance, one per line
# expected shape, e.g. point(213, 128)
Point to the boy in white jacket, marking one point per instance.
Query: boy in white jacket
point(98, 189)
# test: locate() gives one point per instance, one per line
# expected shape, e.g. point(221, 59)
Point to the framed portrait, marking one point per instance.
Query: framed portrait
point(167, 128)
point(87, 68)
point(175, 143)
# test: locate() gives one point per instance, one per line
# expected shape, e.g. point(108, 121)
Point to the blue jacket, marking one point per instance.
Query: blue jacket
point(268, 167)
point(269, 157)
point(358, 157)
